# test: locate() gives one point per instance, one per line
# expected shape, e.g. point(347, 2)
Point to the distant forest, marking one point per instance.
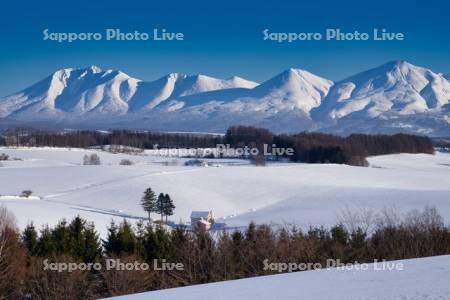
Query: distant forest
point(92, 138)
point(327, 148)
point(308, 147)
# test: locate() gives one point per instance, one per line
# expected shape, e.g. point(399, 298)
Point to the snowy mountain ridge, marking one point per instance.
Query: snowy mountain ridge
point(396, 96)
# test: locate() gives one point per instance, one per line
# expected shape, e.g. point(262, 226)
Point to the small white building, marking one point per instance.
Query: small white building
point(202, 219)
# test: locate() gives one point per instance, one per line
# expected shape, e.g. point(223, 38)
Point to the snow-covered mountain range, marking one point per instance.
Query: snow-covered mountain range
point(394, 97)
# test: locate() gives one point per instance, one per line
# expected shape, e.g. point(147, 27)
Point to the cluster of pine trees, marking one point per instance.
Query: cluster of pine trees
point(162, 205)
point(327, 148)
point(206, 256)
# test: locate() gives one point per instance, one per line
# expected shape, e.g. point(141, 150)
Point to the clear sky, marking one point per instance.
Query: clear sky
point(222, 38)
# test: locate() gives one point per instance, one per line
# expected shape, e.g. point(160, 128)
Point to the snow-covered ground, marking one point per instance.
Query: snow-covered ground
point(280, 193)
point(413, 279)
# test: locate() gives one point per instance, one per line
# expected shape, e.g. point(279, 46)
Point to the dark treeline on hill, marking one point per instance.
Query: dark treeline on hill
point(308, 147)
point(86, 138)
point(206, 257)
point(327, 148)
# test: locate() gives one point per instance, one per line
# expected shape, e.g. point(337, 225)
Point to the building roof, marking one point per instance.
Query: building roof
point(200, 214)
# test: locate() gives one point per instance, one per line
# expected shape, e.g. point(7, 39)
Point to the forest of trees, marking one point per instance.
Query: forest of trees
point(89, 138)
point(308, 147)
point(327, 148)
point(206, 256)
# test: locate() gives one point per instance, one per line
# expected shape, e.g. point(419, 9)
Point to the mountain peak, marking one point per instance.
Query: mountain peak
point(175, 76)
point(61, 72)
point(295, 88)
point(293, 73)
point(398, 65)
point(94, 69)
point(394, 87)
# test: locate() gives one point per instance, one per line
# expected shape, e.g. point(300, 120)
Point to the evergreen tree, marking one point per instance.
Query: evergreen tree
point(160, 205)
point(339, 234)
point(30, 238)
point(127, 238)
point(148, 202)
point(150, 244)
point(168, 206)
point(45, 245)
point(179, 240)
point(61, 238)
point(140, 237)
point(92, 247)
point(157, 243)
point(111, 244)
point(77, 237)
point(162, 242)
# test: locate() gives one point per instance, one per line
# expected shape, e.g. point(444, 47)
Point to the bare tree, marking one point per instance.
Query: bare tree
point(126, 162)
point(362, 218)
point(92, 160)
point(429, 218)
point(12, 257)
point(7, 219)
point(388, 217)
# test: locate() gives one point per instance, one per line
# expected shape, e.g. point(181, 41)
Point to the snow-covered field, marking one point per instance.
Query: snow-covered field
point(414, 279)
point(280, 193)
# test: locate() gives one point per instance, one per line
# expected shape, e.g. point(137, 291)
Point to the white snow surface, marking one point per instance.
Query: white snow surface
point(237, 193)
point(416, 279)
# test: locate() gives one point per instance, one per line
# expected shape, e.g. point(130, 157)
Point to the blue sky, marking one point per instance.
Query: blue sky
point(222, 38)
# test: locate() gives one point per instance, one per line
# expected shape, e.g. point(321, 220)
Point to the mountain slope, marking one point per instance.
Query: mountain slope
point(395, 87)
point(73, 91)
point(292, 89)
point(394, 97)
point(92, 90)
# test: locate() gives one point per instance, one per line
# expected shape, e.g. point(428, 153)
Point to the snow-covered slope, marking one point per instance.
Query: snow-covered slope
point(77, 92)
point(72, 91)
point(282, 103)
point(151, 94)
point(419, 279)
point(280, 193)
point(396, 96)
point(298, 88)
point(293, 89)
point(397, 86)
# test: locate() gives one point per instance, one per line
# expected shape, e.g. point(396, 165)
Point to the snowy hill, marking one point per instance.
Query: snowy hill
point(280, 194)
point(93, 91)
point(290, 90)
point(396, 96)
point(74, 91)
point(422, 278)
point(394, 87)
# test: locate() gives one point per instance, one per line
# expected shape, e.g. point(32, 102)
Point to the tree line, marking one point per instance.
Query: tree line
point(206, 256)
point(308, 147)
point(327, 148)
point(91, 138)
